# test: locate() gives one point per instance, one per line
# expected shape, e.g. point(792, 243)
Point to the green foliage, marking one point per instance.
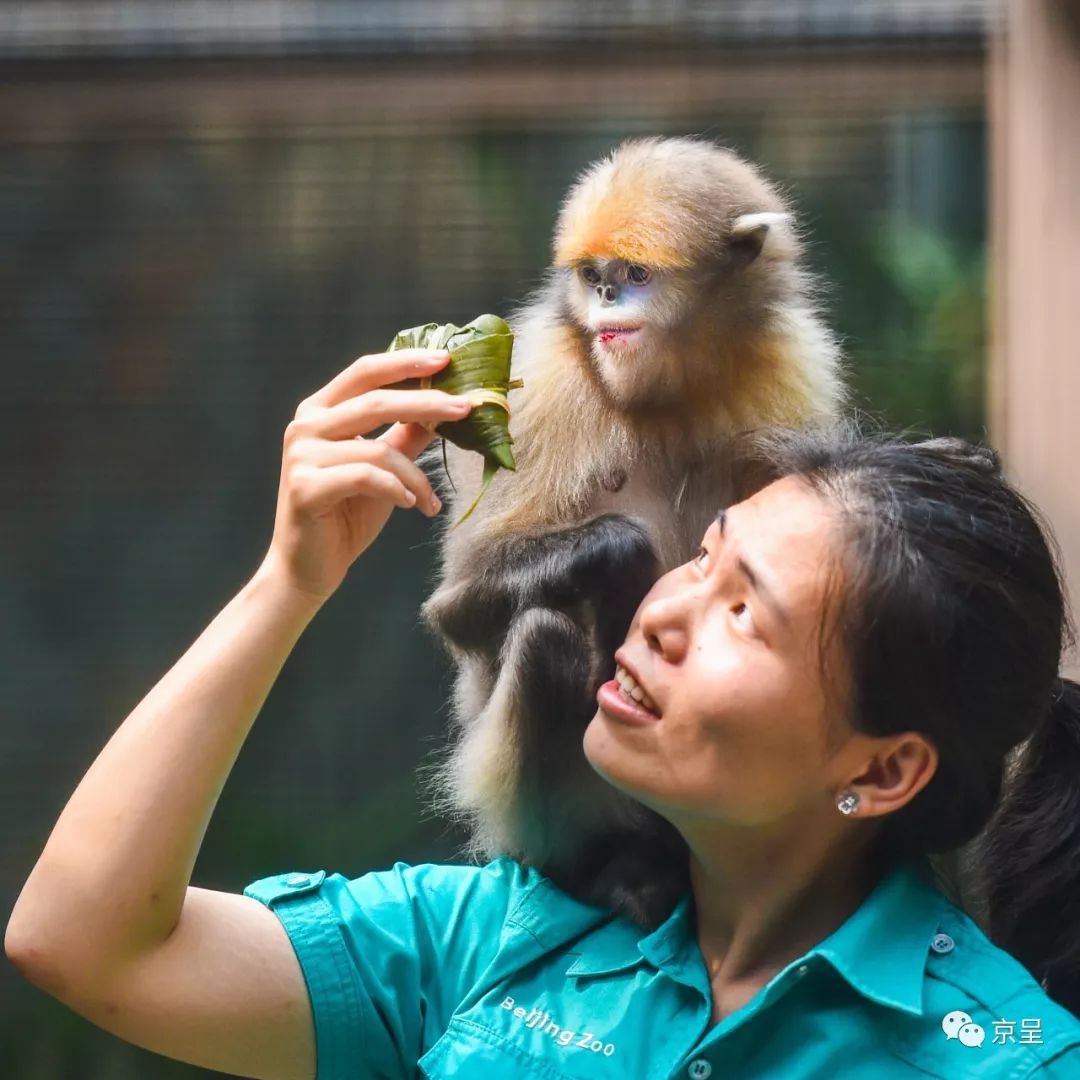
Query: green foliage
point(927, 366)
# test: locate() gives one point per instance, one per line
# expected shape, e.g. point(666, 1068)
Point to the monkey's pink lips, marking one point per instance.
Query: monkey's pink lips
point(620, 335)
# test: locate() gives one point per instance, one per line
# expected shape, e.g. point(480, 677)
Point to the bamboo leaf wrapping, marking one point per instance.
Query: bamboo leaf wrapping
point(479, 368)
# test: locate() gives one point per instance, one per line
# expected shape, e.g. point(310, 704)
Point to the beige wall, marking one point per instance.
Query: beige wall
point(1034, 389)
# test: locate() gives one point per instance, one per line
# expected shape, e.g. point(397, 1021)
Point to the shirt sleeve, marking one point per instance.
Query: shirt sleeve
point(388, 956)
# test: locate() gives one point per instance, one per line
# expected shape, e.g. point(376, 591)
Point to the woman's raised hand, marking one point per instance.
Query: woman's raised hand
point(337, 487)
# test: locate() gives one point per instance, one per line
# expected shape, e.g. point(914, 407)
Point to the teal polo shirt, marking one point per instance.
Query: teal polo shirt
point(492, 972)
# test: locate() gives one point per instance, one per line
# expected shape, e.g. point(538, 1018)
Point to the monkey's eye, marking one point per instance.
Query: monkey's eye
point(590, 275)
point(637, 274)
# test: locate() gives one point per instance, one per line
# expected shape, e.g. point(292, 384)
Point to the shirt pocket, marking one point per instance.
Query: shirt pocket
point(468, 1051)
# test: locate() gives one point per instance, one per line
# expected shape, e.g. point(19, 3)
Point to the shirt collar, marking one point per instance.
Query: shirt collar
point(881, 949)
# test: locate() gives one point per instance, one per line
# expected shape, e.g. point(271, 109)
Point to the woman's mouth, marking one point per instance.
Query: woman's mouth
point(623, 698)
point(629, 687)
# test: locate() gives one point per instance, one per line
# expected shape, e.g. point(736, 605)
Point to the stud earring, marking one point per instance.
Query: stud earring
point(848, 803)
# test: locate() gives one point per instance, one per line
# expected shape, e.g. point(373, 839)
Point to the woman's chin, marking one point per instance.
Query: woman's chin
point(605, 754)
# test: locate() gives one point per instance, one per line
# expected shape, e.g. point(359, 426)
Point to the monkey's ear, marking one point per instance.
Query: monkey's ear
point(752, 232)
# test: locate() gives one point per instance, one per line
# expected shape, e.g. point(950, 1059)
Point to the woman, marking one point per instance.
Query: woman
point(827, 693)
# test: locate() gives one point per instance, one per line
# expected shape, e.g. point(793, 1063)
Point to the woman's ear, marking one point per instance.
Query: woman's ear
point(901, 766)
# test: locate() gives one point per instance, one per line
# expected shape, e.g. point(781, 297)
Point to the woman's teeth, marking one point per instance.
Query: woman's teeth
point(631, 688)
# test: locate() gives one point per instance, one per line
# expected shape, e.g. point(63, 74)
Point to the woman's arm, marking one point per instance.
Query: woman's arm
point(112, 879)
point(107, 921)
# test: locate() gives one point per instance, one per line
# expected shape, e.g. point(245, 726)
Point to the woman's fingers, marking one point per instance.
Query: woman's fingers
point(317, 491)
point(377, 369)
point(325, 453)
point(337, 487)
point(358, 416)
point(410, 439)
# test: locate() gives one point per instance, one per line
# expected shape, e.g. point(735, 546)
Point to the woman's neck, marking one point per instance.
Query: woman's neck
point(760, 901)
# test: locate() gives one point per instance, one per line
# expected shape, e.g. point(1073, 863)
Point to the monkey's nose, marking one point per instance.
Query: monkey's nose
point(607, 293)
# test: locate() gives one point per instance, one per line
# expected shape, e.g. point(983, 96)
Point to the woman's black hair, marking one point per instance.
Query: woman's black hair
point(953, 619)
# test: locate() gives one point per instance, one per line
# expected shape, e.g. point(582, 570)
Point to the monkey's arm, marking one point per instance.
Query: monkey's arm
point(600, 569)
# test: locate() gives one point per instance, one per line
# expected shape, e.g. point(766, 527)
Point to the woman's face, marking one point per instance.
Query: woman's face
point(740, 729)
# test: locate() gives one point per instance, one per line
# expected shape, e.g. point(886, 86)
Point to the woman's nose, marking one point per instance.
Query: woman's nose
point(663, 619)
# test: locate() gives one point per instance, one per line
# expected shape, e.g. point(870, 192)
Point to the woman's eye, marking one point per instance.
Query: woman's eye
point(743, 610)
point(701, 553)
point(637, 274)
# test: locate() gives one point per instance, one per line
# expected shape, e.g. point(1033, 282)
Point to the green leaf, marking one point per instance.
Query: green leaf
point(479, 368)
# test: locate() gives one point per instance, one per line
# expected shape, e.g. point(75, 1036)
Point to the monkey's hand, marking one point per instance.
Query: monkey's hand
point(597, 572)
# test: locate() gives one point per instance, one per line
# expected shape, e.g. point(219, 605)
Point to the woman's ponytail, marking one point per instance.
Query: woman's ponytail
point(1025, 865)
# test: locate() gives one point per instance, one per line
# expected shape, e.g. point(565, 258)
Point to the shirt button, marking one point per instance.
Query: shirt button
point(296, 880)
point(699, 1069)
point(942, 943)
point(802, 969)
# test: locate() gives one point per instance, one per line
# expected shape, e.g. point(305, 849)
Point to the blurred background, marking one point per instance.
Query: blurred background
point(209, 209)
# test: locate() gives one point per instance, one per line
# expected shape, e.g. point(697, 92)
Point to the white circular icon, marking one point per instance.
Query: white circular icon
point(953, 1022)
point(971, 1035)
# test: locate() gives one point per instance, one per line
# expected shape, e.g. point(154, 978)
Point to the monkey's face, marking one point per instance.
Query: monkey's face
point(627, 312)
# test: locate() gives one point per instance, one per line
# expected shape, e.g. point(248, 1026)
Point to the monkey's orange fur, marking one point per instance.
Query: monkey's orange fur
point(661, 203)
